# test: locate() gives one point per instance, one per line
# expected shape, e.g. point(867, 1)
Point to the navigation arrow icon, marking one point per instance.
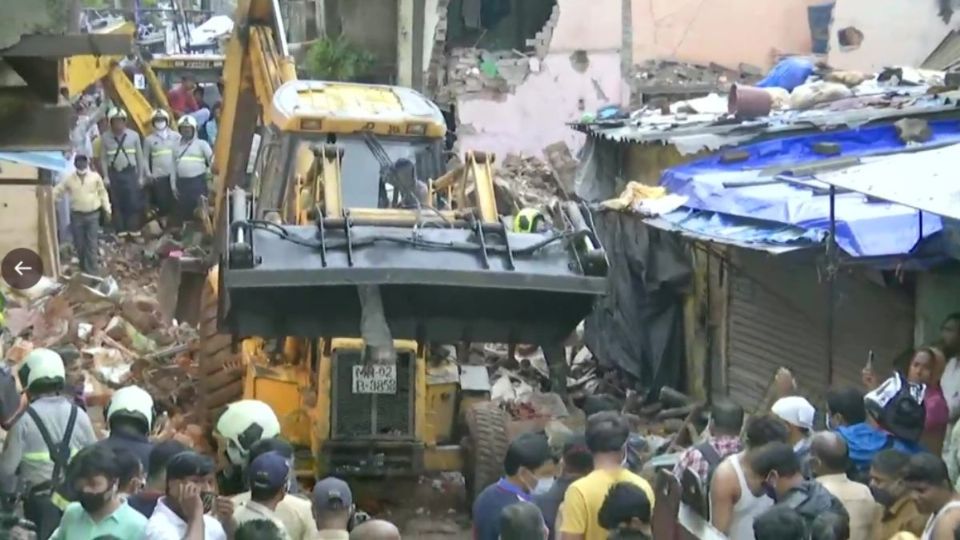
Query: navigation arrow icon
point(19, 268)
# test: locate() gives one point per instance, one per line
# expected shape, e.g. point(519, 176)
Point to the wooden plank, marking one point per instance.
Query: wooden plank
point(48, 245)
point(70, 45)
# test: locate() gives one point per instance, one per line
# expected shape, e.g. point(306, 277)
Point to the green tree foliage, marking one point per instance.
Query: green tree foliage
point(337, 60)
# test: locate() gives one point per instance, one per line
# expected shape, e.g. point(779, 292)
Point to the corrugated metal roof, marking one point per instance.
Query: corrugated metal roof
point(773, 238)
point(947, 55)
point(50, 161)
point(697, 131)
point(922, 180)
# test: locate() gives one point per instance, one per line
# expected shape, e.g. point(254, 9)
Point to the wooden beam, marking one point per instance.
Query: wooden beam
point(59, 46)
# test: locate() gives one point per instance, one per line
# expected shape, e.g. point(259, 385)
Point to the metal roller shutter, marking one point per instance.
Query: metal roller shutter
point(777, 316)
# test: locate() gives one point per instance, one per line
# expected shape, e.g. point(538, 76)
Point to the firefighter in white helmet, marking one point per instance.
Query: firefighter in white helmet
point(123, 166)
point(242, 424)
point(159, 148)
point(49, 416)
point(130, 417)
point(193, 159)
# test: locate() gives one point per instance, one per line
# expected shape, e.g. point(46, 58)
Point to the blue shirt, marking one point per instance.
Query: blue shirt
point(489, 504)
point(788, 74)
point(124, 523)
point(864, 441)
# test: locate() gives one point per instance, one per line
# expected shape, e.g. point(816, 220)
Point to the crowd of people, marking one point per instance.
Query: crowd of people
point(873, 472)
point(121, 180)
point(132, 485)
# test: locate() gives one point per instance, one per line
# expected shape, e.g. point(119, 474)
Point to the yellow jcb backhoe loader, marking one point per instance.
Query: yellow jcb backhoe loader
point(351, 252)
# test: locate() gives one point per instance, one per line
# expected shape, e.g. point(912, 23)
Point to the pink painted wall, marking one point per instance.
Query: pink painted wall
point(896, 32)
point(535, 115)
point(589, 25)
point(727, 32)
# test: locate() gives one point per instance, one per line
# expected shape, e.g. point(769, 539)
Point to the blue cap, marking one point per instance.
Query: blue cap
point(269, 471)
point(332, 494)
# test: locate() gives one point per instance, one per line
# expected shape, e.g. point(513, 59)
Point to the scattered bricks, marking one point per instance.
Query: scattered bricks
point(913, 130)
point(734, 156)
point(826, 148)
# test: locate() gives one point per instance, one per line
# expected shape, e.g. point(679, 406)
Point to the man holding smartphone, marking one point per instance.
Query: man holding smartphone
point(187, 510)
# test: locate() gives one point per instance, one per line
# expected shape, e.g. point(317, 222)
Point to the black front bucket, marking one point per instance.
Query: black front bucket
point(436, 284)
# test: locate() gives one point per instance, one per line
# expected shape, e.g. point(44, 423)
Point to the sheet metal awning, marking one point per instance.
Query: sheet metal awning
point(924, 180)
point(714, 227)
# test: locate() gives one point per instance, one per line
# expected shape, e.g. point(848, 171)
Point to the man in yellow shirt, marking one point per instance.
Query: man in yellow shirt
point(88, 198)
point(606, 436)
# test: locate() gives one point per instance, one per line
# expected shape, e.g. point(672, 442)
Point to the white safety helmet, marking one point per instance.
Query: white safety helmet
point(244, 423)
point(187, 121)
point(116, 113)
point(160, 114)
point(131, 402)
point(42, 365)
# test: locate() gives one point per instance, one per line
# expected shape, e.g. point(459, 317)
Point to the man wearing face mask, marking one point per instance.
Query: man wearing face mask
point(776, 471)
point(99, 510)
point(193, 158)
point(528, 463)
point(606, 435)
point(88, 199)
point(899, 509)
point(184, 513)
point(159, 148)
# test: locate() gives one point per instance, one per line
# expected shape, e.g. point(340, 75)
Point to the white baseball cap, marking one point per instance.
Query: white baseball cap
point(795, 410)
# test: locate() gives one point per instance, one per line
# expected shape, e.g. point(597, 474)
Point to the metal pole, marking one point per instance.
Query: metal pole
point(831, 280)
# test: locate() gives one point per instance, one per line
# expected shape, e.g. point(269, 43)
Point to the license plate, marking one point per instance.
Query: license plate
point(378, 379)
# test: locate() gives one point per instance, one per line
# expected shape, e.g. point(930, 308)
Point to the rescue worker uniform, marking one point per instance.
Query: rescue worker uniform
point(122, 158)
point(159, 148)
point(130, 417)
point(88, 200)
point(193, 159)
point(50, 431)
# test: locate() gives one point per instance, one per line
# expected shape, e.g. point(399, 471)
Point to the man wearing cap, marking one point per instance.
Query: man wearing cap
point(332, 508)
point(797, 413)
point(88, 198)
point(293, 511)
point(184, 512)
point(269, 475)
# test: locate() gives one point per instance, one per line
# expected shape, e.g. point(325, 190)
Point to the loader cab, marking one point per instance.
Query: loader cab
point(206, 69)
point(348, 146)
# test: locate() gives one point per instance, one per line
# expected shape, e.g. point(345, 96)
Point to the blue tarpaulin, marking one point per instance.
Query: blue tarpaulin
point(50, 161)
point(759, 188)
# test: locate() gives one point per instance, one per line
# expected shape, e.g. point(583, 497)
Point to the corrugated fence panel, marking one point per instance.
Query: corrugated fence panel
point(777, 316)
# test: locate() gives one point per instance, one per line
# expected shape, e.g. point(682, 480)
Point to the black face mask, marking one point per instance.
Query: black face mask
point(882, 496)
point(94, 502)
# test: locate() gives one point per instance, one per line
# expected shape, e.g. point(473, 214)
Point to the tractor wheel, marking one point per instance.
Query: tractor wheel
point(221, 368)
point(486, 446)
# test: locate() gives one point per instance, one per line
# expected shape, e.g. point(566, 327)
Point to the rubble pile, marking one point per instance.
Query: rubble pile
point(665, 78)
point(528, 182)
point(479, 71)
point(110, 333)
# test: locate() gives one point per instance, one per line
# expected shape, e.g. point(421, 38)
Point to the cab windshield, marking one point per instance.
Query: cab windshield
point(399, 182)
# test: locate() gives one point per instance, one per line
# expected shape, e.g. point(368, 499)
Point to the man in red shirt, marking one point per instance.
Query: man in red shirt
point(181, 96)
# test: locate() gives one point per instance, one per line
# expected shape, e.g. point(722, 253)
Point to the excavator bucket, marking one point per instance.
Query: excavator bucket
point(440, 280)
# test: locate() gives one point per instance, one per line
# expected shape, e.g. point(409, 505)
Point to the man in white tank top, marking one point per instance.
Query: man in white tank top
point(732, 505)
point(927, 476)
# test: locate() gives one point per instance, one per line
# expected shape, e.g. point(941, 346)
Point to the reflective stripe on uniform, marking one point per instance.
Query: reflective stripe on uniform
point(44, 456)
point(193, 158)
